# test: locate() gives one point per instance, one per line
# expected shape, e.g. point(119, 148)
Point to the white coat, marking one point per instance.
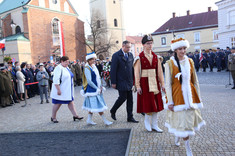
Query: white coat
point(66, 86)
point(21, 79)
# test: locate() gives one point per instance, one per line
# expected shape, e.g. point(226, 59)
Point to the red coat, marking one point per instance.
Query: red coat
point(147, 102)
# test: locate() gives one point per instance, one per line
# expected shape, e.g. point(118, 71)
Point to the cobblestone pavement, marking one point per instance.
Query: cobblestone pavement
point(217, 138)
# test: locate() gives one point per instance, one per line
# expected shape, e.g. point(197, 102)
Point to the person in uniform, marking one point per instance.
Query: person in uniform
point(196, 60)
point(211, 59)
point(227, 52)
point(218, 59)
point(6, 89)
point(149, 81)
point(183, 95)
point(204, 60)
point(231, 65)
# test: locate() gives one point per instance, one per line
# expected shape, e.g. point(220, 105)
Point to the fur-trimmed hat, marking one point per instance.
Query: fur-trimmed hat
point(146, 38)
point(175, 44)
point(91, 55)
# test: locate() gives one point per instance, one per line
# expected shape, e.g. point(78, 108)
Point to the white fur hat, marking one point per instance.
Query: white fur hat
point(179, 43)
point(90, 55)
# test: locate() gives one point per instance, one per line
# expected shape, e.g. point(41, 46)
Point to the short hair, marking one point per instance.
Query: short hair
point(17, 68)
point(23, 65)
point(125, 42)
point(64, 58)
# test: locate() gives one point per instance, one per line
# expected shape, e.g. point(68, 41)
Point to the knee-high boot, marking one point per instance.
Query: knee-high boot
point(106, 122)
point(89, 120)
point(188, 148)
point(155, 123)
point(147, 122)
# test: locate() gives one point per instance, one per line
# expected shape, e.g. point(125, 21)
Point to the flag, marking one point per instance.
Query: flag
point(62, 48)
point(2, 44)
point(200, 56)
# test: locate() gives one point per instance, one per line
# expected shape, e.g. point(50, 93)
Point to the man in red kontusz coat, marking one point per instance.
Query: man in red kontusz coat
point(149, 81)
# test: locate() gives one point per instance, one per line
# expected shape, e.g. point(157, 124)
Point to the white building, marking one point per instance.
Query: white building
point(226, 23)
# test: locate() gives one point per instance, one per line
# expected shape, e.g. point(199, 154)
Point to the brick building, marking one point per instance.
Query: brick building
point(32, 29)
point(136, 45)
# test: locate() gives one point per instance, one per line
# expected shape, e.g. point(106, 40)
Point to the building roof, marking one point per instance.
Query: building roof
point(134, 39)
point(8, 5)
point(16, 37)
point(189, 22)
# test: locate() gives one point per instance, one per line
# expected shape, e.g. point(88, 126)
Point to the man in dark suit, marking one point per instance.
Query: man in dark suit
point(122, 80)
point(196, 60)
point(204, 60)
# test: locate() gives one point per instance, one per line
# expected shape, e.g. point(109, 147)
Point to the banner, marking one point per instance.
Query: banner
point(200, 56)
point(61, 33)
point(2, 44)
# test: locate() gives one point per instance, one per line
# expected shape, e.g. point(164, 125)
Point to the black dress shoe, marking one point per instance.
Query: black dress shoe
point(113, 116)
point(233, 87)
point(132, 120)
point(76, 117)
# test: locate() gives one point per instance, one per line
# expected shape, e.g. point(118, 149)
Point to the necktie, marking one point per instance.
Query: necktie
point(126, 56)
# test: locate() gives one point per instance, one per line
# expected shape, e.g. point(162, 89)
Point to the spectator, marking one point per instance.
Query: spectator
point(42, 78)
point(20, 84)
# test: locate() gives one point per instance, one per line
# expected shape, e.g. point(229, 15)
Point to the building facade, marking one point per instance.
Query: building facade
point(226, 22)
point(111, 11)
point(32, 30)
point(136, 45)
point(201, 30)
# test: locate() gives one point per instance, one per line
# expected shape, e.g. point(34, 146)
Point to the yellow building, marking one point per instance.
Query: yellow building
point(112, 13)
point(201, 30)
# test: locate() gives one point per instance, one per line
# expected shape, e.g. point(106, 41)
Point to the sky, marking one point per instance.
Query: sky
point(146, 16)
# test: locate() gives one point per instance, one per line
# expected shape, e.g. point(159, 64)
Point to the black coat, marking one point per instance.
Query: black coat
point(122, 71)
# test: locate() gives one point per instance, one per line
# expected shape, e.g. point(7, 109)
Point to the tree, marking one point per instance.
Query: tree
point(101, 41)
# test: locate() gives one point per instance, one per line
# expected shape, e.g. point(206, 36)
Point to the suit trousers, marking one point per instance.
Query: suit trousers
point(123, 96)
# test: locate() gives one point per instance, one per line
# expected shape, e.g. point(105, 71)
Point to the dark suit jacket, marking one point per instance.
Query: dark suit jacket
point(122, 71)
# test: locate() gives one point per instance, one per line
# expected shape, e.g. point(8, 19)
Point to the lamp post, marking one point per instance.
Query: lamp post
point(12, 24)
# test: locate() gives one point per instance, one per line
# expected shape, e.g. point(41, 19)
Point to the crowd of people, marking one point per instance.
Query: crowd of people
point(182, 92)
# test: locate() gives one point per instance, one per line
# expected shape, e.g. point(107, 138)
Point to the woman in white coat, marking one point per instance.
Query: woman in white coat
point(63, 89)
point(20, 84)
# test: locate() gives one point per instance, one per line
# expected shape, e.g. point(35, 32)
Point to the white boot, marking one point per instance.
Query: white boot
point(106, 122)
point(188, 149)
point(177, 141)
point(155, 124)
point(147, 122)
point(89, 120)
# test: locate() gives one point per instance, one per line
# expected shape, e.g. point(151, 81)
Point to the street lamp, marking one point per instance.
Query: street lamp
point(12, 24)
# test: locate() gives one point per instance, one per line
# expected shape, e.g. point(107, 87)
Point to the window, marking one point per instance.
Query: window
point(98, 24)
point(163, 40)
point(1, 29)
point(115, 22)
point(66, 7)
point(197, 37)
point(232, 40)
point(215, 35)
point(55, 32)
point(232, 17)
point(18, 30)
point(54, 1)
point(42, 3)
point(180, 36)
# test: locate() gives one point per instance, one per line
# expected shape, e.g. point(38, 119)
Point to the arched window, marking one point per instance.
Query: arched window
point(98, 24)
point(115, 22)
point(18, 29)
point(55, 31)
